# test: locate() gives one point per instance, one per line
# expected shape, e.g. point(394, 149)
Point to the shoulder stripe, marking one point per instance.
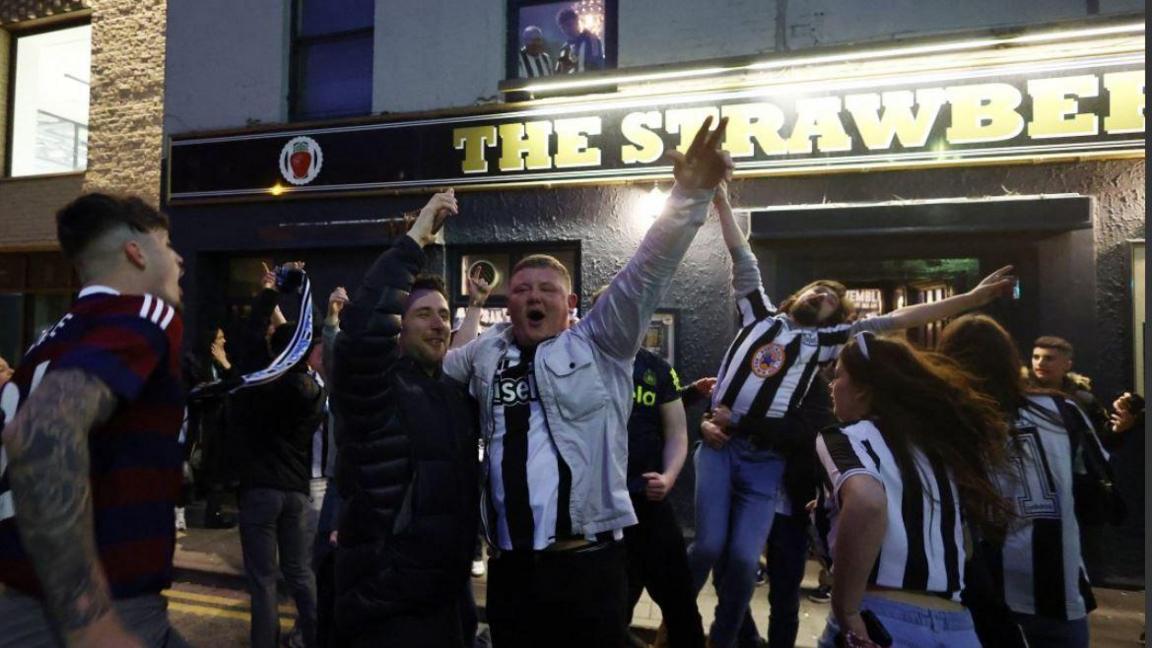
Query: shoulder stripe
point(147, 306)
point(168, 315)
point(157, 310)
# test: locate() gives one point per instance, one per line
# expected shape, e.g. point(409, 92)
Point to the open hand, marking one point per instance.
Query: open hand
point(997, 284)
point(704, 165)
point(704, 386)
point(478, 287)
point(432, 217)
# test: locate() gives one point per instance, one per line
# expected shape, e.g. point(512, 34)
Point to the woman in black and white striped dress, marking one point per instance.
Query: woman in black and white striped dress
point(907, 469)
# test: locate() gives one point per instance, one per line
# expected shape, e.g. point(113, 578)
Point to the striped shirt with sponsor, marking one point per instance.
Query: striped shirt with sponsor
point(532, 67)
point(131, 343)
point(771, 364)
point(585, 51)
point(923, 546)
point(1040, 566)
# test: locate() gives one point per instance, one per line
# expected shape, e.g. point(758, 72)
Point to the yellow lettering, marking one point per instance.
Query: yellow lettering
point(687, 121)
point(984, 113)
point(899, 120)
point(819, 118)
point(752, 124)
point(646, 146)
point(1125, 102)
point(572, 148)
point(473, 140)
point(520, 143)
point(1054, 107)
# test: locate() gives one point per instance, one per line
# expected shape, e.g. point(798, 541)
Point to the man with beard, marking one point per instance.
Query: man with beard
point(755, 425)
point(407, 457)
point(555, 399)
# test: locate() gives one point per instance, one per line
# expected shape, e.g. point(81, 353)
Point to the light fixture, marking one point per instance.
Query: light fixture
point(653, 203)
point(276, 189)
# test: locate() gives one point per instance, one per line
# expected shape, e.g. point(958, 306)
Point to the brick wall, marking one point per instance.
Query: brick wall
point(127, 104)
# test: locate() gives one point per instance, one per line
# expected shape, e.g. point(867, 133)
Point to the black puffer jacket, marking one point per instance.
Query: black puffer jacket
point(408, 466)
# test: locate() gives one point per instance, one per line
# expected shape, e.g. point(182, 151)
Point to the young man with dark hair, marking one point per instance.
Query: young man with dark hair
point(554, 399)
point(1051, 368)
point(407, 457)
point(582, 51)
point(93, 463)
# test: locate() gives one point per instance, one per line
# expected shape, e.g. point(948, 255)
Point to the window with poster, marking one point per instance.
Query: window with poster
point(495, 263)
point(546, 38)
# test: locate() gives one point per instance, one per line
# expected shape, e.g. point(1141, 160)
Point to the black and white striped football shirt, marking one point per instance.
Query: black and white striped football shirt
point(532, 67)
point(770, 365)
point(1039, 565)
point(923, 547)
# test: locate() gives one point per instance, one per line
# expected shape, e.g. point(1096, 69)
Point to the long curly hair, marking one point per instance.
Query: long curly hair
point(925, 401)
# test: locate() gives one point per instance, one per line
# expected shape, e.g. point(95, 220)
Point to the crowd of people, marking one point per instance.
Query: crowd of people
point(946, 492)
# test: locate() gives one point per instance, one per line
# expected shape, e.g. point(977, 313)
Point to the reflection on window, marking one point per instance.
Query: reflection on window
point(332, 58)
point(561, 38)
point(50, 102)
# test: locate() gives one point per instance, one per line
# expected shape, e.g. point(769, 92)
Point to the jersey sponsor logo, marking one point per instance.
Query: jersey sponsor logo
point(515, 391)
point(644, 396)
point(650, 378)
point(767, 360)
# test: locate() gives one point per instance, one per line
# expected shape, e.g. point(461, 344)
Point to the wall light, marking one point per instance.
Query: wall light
point(652, 203)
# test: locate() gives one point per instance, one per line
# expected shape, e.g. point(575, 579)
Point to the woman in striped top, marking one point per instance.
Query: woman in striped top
point(909, 466)
point(1036, 570)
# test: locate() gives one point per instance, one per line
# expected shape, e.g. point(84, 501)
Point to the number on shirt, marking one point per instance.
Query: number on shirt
point(1038, 497)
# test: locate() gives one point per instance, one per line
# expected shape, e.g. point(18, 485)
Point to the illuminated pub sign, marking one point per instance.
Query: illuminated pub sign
point(1090, 107)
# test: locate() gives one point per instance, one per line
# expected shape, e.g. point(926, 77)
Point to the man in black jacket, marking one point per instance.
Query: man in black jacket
point(276, 422)
point(407, 458)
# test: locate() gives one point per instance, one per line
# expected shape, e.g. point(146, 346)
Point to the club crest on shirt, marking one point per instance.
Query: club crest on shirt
point(767, 360)
point(650, 378)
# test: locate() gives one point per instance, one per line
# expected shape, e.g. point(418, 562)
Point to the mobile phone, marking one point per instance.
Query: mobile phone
point(1016, 289)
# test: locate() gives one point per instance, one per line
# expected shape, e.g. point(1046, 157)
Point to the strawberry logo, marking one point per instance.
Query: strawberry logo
point(300, 160)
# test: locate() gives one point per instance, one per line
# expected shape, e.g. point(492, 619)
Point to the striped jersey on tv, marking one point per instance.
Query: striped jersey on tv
point(1039, 566)
point(530, 483)
point(131, 343)
point(770, 365)
point(923, 546)
point(532, 67)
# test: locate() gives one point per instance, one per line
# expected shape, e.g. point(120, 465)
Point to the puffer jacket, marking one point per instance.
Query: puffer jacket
point(407, 460)
point(585, 374)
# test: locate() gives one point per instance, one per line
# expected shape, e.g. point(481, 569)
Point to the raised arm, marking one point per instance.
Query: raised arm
point(747, 288)
point(995, 285)
point(478, 292)
point(621, 315)
point(47, 445)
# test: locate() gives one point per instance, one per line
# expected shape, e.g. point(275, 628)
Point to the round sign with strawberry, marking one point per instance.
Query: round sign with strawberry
point(300, 160)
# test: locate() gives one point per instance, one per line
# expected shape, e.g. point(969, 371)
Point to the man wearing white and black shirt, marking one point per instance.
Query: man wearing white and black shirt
point(554, 402)
point(754, 425)
point(532, 61)
point(582, 52)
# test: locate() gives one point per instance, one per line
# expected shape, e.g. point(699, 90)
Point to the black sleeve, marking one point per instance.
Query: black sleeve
point(667, 382)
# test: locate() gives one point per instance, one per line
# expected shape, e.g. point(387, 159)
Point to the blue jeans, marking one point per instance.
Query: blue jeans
point(1053, 633)
point(736, 489)
point(787, 557)
point(912, 626)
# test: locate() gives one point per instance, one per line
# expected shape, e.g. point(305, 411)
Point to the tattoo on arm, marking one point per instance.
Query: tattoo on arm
point(47, 444)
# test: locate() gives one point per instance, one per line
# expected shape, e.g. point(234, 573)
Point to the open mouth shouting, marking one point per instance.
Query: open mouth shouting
point(535, 315)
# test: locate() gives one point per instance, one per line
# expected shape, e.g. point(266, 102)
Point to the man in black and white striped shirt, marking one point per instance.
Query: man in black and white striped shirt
point(533, 61)
point(582, 52)
point(754, 425)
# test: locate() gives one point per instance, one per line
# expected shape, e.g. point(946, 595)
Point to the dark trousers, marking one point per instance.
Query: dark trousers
point(787, 555)
point(274, 520)
point(559, 599)
point(657, 559)
point(449, 626)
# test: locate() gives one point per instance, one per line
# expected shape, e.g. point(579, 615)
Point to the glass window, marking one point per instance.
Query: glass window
point(332, 57)
point(550, 38)
point(50, 102)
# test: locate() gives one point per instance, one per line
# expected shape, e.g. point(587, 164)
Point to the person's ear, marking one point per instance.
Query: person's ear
point(573, 301)
point(135, 253)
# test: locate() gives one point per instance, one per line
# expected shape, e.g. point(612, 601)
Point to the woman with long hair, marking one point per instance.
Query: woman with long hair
point(909, 466)
point(1036, 569)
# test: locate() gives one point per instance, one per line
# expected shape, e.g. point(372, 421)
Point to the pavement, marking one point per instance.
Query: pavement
point(209, 564)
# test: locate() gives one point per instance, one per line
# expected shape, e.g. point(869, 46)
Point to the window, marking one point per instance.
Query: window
point(50, 102)
point(565, 37)
point(332, 58)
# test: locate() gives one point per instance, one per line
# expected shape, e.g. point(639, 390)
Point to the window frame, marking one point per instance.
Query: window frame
point(512, 35)
point(298, 45)
point(15, 33)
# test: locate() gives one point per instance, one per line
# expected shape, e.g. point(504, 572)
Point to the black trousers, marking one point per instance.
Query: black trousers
point(558, 599)
point(449, 626)
point(658, 560)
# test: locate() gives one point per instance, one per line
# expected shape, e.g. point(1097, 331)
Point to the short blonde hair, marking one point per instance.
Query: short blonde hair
point(546, 261)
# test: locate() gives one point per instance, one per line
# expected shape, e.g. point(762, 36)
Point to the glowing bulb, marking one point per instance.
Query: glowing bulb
point(653, 203)
point(276, 189)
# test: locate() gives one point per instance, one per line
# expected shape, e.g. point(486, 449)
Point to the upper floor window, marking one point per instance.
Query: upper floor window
point(332, 58)
point(547, 38)
point(50, 91)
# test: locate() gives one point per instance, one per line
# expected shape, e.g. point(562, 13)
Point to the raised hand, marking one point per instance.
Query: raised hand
point(704, 165)
point(478, 288)
point(337, 300)
point(432, 217)
point(704, 386)
point(268, 279)
point(997, 284)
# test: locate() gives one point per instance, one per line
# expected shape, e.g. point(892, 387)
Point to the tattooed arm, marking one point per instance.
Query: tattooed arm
point(47, 444)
